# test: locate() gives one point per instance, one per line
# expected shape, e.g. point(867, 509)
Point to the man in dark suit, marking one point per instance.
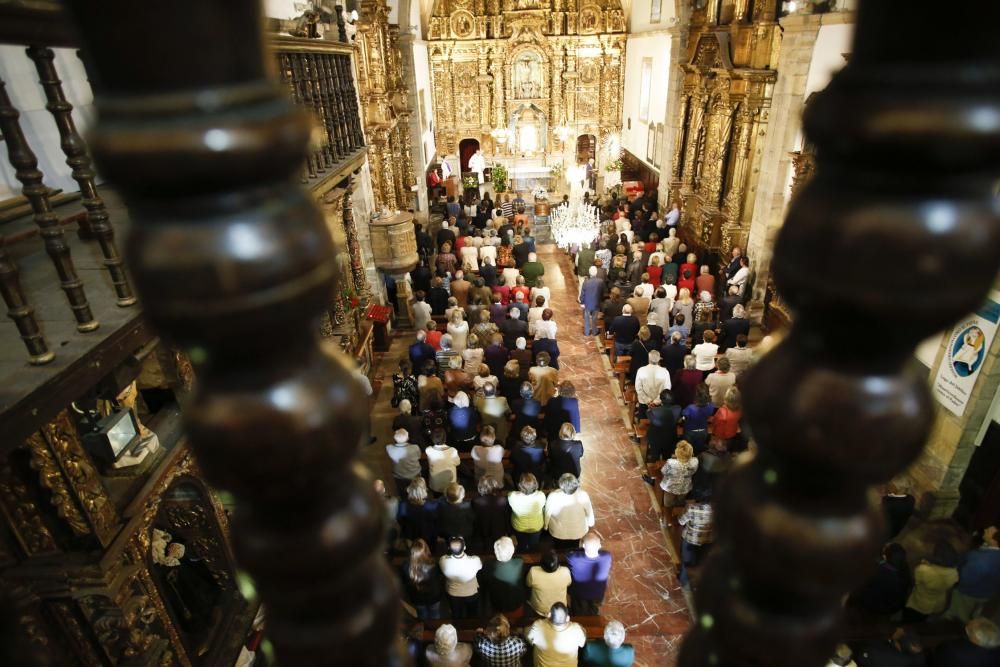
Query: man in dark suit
point(446, 234)
point(672, 353)
point(512, 328)
point(545, 344)
point(425, 244)
point(625, 328)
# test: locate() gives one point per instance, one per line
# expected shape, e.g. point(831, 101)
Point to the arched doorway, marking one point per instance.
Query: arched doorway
point(466, 149)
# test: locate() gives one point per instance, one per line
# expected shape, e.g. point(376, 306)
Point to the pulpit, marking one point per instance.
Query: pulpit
point(394, 247)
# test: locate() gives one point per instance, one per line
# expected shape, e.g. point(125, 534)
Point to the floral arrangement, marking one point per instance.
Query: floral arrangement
point(557, 171)
point(349, 300)
point(499, 178)
point(540, 193)
point(614, 165)
point(470, 182)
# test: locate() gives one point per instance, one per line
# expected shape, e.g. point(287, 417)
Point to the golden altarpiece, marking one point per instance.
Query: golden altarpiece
point(523, 68)
point(728, 80)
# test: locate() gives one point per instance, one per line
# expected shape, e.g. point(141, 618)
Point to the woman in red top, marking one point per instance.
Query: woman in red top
point(502, 290)
point(725, 424)
point(655, 272)
point(692, 265)
point(685, 382)
point(652, 243)
point(522, 288)
point(686, 279)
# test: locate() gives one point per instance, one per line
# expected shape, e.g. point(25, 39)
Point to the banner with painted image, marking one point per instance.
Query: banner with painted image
point(968, 345)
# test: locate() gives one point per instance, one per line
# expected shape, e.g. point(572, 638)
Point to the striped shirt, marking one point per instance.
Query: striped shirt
point(697, 522)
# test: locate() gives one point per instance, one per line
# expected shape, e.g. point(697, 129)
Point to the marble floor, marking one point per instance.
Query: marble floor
point(643, 592)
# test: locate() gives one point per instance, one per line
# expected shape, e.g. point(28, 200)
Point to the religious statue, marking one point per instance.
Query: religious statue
point(187, 585)
point(528, 76)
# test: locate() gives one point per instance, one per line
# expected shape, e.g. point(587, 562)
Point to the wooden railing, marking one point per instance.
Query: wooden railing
point(316, 74)
point(318, 77)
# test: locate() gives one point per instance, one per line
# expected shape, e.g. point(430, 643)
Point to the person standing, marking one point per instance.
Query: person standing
point(568, 512)
point(612, 651)
point(933, 579)
point(978, 579)
point(446, 651)
point(556, 639)
point(496, 647)
point(460, 570)
point(504, 580)
point(697, 533)
point(405, 458)
point(589, 568)
point(527, 506)
point(548, 583)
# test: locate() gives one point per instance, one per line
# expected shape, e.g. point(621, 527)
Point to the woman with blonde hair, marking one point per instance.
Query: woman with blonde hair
point(510, 383)
point(446, 651)
point(678, 472)
point(684, 305)
point(417, 513)
point(423, 585)
point(485, 328)
point(527, 505)
point(473, 353)
point(458, 329)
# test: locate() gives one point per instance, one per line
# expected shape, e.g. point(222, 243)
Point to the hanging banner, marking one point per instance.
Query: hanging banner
point(968, 344)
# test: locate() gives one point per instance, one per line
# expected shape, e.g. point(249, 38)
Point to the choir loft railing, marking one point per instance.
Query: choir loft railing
point(317, 74)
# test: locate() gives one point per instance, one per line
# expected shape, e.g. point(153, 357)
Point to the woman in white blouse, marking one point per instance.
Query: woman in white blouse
point(704, 353)
point(458, 328)
point(568, 512)
point(540, 290)
point(442, 462)
point(473, 355)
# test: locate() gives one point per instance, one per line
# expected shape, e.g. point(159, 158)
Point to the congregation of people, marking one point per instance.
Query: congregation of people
point(490, 512)
point(486, 452)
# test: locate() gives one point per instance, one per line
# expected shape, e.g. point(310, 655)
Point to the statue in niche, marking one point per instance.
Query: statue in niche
point(188, 587)
point(527, 4)
point(528, 76)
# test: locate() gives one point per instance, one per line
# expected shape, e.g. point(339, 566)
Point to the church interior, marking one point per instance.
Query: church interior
point(499, 333)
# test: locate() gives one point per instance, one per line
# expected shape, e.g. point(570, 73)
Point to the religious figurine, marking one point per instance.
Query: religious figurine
point(187, 586)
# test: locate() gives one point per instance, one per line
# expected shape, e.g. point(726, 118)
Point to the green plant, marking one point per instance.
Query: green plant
point(614, 166)
point(470, 182)
point(499, 178)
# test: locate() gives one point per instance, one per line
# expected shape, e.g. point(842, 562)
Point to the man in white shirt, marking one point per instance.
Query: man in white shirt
point(556, 639)
point(650, 381)
point(569, 515)
point(405, 459)
point(460, 570)
point(740, 278)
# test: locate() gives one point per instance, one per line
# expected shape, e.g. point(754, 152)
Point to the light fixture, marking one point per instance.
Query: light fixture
point(109, 438)
point(563, 130)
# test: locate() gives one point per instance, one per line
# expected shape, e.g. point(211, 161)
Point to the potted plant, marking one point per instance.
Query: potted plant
point(499, 178)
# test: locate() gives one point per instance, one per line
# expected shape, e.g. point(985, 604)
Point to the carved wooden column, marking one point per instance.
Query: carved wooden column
point(25, 164)
point(19, 310)
point(903, 161)
point(354, 246)
point(83, 173)
point(234, 262)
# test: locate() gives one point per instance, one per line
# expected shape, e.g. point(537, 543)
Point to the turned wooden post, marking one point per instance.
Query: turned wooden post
point(906, 168)
point(234, 262)
point(19, 310)
point(75, 150)
point(26, 169)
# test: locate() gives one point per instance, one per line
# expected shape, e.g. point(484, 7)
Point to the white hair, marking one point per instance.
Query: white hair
point(654, 357)
point(445, 341)
point(651, 317)
point(532, 257)
point(614, 634)
point(514, 313)
point(504, 549)
point(521, 343)
point(461, 399)
point(401, 435)
point(706, 295)
point(421, 335)
point(445, 639)
point(444, 224)
point(405, 406)
point(626, 309)
point(739, 311)
point(637, 291)
point(592, 271)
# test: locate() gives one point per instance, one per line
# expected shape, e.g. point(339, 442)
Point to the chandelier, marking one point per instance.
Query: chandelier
point(564, 131)
point(576, 223)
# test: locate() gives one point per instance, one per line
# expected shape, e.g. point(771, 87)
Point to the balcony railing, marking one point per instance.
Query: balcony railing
point(318, 76)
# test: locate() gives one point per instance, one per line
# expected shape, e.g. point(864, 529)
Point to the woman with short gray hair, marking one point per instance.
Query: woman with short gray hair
point(568, 513)
point(446, 651)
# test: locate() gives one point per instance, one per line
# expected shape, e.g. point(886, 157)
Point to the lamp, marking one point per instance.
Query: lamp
point(109, 438)
point(563, 131)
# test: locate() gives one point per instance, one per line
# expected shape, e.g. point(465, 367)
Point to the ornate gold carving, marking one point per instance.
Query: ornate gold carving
point(51, 477)
point(462, 23)
point(23, 513)
point(64, 441)
point(83, 649)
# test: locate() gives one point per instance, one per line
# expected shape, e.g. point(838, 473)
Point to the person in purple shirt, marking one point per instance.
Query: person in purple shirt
point(589, 569)
point(495, 356)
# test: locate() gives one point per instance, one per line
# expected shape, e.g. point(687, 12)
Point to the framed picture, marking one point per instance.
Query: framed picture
point(655, 11)
point(646, 81)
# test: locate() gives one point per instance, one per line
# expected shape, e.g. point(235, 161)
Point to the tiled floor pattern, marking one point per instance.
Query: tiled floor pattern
point(643, 593)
